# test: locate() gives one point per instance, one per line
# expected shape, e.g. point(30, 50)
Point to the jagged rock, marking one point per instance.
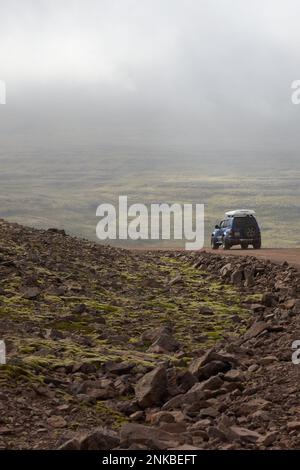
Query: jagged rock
point(234, 375)
point(215, 433)
point(210, 369)
point(152, 438)
point(173, 428)
point(128, 407)
point(256, 329)
point(165, 343)
point(185, 380)
point(118, 368)
point(296, 308)
point(152, 388)
point(209, 412)
point(197, 366)
point(213, 383)
point(268, 439)
point(56, 421)
point(57, 291)
point(31, 281)
point(205, 310)
point(80, 308)
point(269, 299)
point(99, 439)
point(293, 425)
point(137, 416)
point(201, 424)
point(85, 367)
point(267, 360)
point(260, 416)
point(71, 444)
point(174, 403)
point(150, 336)
point(256, 308)
point(249, 277)
point(55, 334)
point(101, 393)
point(31, 293)
point(86, 399)
point(176, 280)
point(244, 434)
point(236, 318)
point(226, 270)
point(160, 416)
point(185, 447)
point(195, 394)
point(237, 277)
point(253, 405)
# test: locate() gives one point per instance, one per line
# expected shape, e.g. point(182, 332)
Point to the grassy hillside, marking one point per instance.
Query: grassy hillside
point(53, 193)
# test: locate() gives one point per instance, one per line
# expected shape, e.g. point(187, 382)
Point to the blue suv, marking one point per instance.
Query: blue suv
point(239, 227)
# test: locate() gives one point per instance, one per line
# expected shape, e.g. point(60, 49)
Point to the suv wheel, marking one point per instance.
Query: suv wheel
point(257, 245)
point(244, 246)
point(251, 232)
point(225, 244)
point(214, 245)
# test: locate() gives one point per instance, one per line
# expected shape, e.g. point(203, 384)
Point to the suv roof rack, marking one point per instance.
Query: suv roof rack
point(239, 213)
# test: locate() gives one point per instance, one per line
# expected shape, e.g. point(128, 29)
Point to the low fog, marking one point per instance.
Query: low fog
point(213, 76)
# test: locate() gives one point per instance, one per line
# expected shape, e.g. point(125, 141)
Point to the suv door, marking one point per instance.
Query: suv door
point(246, 227)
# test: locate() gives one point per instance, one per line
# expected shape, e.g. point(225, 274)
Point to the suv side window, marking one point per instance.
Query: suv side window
point(225, 223)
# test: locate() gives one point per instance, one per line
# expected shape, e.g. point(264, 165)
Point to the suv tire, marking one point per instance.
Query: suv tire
point(244, 246)
point(257, 245)
point(225, 244)
point(214, 245)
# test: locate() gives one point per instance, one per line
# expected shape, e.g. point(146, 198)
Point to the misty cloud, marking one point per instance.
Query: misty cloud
point(214, 74)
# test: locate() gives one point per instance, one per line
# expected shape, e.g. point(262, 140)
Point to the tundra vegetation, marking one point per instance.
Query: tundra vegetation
point(55, 194)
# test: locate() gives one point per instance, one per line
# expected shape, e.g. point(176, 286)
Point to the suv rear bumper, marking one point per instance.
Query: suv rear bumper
point(238, 241)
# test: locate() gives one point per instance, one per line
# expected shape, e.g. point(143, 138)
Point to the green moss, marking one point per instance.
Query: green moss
point(109, 415)
point(81, 327)
point(27, 350)
point(96, 305)
point(253, 298)
point(15, 373)
point(52, 298)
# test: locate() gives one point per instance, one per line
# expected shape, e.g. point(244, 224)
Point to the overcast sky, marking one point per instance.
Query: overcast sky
point(215, 74)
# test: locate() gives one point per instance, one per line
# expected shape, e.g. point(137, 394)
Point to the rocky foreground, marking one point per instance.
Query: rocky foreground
point(114, 349)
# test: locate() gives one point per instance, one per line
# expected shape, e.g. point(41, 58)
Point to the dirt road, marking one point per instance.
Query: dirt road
point(277, 255)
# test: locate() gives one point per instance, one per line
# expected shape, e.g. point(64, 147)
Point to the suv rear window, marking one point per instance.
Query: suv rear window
point(244, 222)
